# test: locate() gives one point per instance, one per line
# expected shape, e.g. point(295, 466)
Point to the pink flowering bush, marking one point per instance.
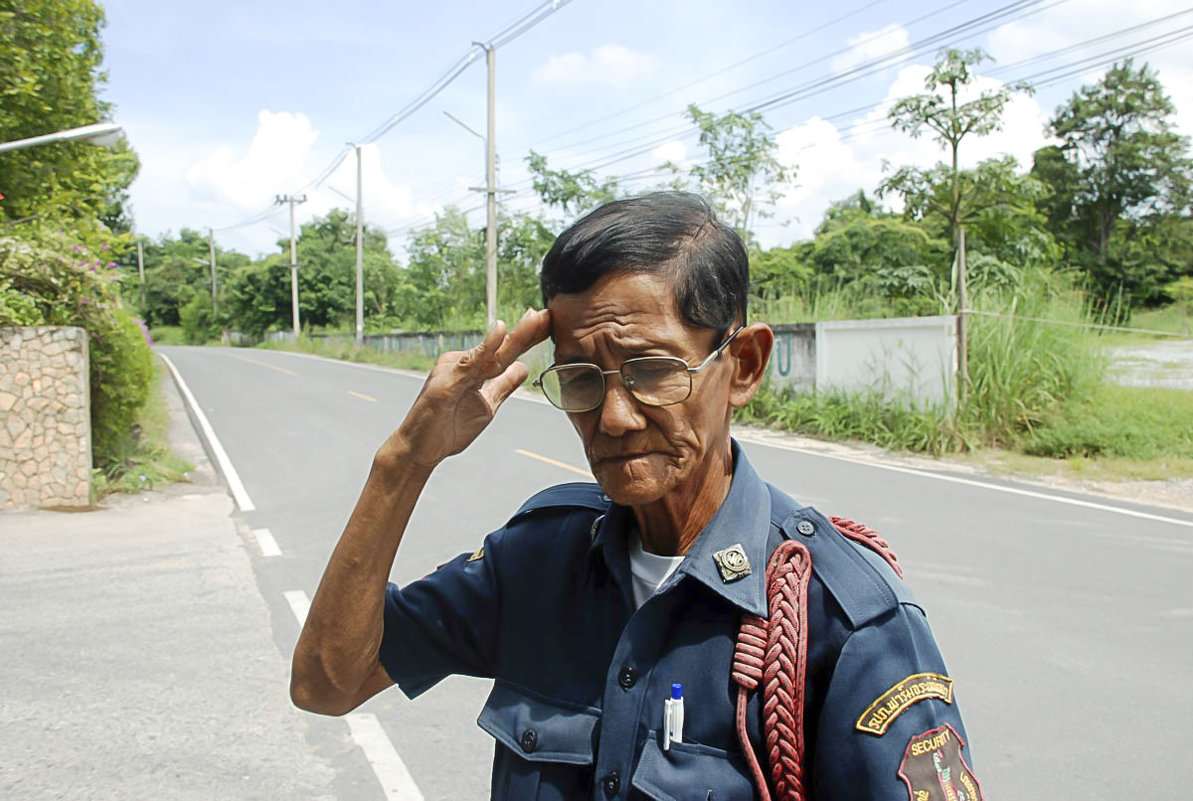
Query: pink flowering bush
point(51, 278)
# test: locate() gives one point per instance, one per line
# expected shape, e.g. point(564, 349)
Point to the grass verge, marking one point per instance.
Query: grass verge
point(146, 460)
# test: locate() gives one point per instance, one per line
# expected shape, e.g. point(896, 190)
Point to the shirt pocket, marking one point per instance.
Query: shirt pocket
point(545, 746)
point(692, 771)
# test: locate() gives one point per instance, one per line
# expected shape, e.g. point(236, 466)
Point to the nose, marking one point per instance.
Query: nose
point(619, 412)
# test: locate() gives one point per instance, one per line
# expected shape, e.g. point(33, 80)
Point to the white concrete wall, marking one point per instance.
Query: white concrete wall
point(908, 359)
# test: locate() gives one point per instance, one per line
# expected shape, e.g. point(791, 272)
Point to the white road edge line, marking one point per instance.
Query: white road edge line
point(265, 540)
point(1102, 507)
point(396, 781)
point(235, 485)
point(300, 604)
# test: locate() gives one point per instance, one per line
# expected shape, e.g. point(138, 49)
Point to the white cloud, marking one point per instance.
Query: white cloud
point(674, 151)
point(872, 44)
point(277, 157)
point(612, 64)
point(386, 204)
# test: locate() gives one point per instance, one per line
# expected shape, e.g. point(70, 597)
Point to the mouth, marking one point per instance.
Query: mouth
point(621, 458)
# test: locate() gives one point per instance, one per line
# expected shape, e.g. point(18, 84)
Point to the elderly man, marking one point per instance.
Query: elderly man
point(681, 631)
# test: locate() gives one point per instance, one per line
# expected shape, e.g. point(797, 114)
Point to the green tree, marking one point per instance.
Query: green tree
point(523, 242)
point(50, 78)
point(1128, 161)
point(941, 111)
point(998, 209)
point(1119, 174)
point(444, 279)
point(743, 174)
point(177, 269)
point(571, 192)
point(877, 252)
point(258, 296)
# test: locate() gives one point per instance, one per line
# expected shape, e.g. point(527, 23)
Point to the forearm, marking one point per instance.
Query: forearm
point(336, 655)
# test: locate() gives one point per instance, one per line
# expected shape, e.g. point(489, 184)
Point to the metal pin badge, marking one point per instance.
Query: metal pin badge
point(732, 562)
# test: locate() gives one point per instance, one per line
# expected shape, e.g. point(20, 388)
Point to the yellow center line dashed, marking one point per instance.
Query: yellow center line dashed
point(553, 462)
point(266, 364)
point(363, 397)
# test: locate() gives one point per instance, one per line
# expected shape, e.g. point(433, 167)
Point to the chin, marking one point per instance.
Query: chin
point(628, 486)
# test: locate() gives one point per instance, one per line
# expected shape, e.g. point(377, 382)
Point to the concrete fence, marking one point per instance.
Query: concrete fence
point(912, 360)
point(45, 418)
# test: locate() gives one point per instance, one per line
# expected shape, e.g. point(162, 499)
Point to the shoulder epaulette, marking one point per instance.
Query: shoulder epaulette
point(859, 577)
point(583, 495)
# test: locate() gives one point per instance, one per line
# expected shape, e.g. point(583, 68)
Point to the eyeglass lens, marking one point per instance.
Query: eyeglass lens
point(656, 381)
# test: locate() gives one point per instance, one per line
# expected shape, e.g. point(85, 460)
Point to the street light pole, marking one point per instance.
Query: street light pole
point(101, 133)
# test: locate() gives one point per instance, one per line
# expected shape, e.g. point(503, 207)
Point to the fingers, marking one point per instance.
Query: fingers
point(504, 385)
point(478, 362)
point(534, 327)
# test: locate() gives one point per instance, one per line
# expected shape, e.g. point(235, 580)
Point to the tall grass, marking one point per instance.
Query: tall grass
point(1022, 369)
point(1022, 374)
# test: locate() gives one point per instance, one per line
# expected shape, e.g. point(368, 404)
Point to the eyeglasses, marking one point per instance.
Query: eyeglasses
point(652, 380)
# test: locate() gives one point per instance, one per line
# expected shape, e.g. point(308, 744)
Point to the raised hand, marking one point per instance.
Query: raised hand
point(465, 389)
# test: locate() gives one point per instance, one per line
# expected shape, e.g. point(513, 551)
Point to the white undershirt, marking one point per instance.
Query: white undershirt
point(648, 570)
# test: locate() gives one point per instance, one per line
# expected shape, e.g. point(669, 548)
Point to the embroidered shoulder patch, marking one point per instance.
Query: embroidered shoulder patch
point(479, 555)
point(934, 769)
point(888, 706)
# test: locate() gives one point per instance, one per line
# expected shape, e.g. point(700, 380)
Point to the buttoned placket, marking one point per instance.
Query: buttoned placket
point(628, 684)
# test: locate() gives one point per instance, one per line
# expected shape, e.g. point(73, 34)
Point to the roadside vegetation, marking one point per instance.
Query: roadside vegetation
point(65, 237)
point(144, 460)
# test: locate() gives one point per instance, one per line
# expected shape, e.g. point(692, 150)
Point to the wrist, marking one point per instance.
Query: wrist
point(397, 459)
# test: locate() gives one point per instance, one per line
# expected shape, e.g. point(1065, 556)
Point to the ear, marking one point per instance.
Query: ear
point(751, 355)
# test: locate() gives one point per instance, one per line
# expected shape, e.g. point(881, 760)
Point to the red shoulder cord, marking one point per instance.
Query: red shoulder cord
point(774, 652)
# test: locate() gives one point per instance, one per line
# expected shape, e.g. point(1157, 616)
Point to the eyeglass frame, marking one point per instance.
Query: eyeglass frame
point(538, 382)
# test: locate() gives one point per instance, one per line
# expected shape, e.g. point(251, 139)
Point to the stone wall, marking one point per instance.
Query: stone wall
point(45, 418)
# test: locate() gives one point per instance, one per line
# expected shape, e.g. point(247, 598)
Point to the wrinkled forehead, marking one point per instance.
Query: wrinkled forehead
point(626, 312)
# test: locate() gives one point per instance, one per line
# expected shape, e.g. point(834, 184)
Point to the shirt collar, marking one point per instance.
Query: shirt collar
point(742, 519)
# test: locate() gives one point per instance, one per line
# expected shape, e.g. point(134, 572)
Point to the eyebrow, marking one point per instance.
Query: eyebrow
point(667, 349)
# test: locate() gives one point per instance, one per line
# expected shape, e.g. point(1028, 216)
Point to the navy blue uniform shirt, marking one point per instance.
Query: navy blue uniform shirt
point(545, 609)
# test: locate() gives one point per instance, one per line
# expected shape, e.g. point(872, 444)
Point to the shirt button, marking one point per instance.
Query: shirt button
point(530, 740)
point(611, 784)
point(806, 528)
point(628, 677)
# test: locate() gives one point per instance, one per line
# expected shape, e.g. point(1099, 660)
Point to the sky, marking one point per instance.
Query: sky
point(230, 103)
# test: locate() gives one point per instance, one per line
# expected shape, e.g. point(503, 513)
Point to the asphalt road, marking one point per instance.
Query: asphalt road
point(1066, 620)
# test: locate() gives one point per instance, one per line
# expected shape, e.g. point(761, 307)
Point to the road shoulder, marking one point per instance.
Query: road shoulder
point(144, 662)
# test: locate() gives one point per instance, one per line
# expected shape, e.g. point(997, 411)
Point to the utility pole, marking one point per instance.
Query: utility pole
point(491, 192)
point(293, 199)
point(360, 280)
point(962, 323)
point(141, 272)
point(215, 303)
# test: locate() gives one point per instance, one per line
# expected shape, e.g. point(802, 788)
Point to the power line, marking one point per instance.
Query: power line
point(504, 36)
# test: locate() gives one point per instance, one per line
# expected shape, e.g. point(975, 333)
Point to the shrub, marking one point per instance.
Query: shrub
point(199, 325)
point(58, 279)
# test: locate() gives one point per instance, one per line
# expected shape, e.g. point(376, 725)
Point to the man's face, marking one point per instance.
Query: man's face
point(640, 453)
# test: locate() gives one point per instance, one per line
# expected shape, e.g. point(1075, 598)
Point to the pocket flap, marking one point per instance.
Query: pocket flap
point(540, 729)
point(691, 770)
